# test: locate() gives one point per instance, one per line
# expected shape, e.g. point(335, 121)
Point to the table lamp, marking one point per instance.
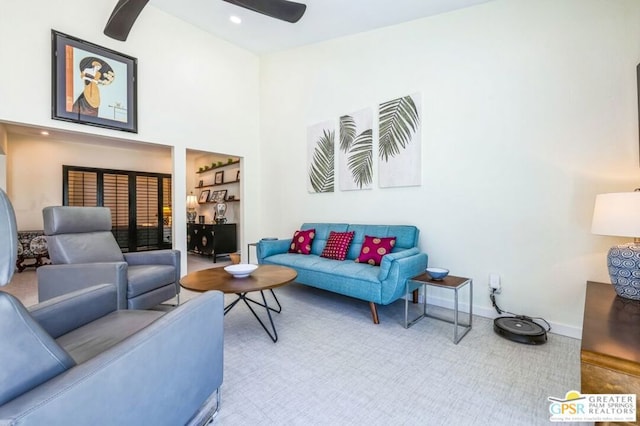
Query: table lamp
point(192, 202)
point(618, 214)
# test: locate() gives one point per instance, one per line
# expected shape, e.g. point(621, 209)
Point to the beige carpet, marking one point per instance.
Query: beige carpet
point(333, 366)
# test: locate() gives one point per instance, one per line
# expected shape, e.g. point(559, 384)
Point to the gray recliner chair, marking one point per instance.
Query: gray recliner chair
point(84, 252)
point(78, 360)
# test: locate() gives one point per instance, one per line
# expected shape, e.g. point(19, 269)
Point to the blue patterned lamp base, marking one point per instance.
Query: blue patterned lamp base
point(624, 269)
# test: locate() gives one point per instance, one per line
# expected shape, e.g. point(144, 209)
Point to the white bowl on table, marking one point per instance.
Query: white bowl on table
point(241, 270)
point(437, 273)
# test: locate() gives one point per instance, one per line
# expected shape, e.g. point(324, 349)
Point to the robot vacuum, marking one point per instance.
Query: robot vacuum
point(519, 328)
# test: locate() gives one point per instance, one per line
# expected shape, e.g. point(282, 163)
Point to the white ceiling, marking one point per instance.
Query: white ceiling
point(323, 19)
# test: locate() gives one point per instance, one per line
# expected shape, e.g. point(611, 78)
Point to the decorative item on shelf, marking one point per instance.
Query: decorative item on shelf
point(204, 196)
point(219, 178)
point(221, 210)
point(618, 214)
point(231, 198)
point(229, 160)
point(218, 196)
point(192, 202)
point(200, 183)
point(201, 219)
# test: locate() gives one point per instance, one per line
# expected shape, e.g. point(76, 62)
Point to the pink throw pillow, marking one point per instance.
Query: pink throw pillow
point(301, 241)
point(373, 248)
point(337, 245)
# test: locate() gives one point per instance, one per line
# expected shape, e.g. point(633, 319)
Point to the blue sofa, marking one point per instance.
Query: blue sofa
point(382, 284)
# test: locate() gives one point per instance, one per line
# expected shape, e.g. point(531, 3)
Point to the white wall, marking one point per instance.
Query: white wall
point(529, 110)
point(194, 91)
point(35, 170)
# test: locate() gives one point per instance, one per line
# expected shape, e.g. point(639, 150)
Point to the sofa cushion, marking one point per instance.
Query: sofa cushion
point(357, 280)
point(301, 241)
point(374, 248)
point(337, 245)
point(97, 336)
point(322, 231)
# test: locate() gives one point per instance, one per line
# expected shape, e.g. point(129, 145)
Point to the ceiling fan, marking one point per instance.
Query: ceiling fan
point(126, 12)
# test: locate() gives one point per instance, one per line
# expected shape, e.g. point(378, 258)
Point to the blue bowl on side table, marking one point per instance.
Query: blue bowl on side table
point(437, 273)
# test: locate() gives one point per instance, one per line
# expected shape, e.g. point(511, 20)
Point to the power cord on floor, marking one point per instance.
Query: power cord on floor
point(492, 296)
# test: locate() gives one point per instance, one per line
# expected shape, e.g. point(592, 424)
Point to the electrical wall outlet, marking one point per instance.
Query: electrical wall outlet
point(494, 282)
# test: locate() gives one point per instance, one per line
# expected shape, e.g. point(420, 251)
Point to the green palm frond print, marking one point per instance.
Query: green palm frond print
point(322, 167)
point(347, 132)
point(398, 121)
point(360, 161)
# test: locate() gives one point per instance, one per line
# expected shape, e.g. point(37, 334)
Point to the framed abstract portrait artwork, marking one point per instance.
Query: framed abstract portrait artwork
point(92, 85)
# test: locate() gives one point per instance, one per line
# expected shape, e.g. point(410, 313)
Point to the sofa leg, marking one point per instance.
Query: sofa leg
point(374, 313)
point(415, 296)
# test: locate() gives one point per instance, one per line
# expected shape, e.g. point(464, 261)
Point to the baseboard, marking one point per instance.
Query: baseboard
point(556, 328)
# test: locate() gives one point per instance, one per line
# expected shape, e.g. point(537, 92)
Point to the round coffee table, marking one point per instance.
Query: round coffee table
point(266, 277)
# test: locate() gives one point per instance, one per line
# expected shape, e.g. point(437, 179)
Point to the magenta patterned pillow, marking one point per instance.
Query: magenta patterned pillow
point(373, 248)
point(337, 245)
point(301, 241)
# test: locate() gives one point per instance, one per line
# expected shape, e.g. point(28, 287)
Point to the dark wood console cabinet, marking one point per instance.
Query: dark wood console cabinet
point(212, 239)
point(610, 352)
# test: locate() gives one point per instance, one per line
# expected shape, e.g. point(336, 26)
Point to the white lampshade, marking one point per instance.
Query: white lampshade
point(617, 214)
point(192, 201)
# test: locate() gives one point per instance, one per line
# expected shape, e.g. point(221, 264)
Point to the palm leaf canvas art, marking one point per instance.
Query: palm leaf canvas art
point(355, 153)
point(399, 154)
point(321, 157)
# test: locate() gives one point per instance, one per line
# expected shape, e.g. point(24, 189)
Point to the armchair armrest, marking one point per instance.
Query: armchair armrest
point(64, 313)
point(153, 257)
point(56, 280)
point(138, 380)
point(266, 248)
point(396, 268)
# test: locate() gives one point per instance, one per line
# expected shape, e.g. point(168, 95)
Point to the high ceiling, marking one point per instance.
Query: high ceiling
point(323, 20)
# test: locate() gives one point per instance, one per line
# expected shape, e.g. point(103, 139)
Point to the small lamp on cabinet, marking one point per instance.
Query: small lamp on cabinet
point(192, 202)
point(618, 214)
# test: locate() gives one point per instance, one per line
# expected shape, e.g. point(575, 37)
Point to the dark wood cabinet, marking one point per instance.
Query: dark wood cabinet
point(610, 352)
point(212, 239)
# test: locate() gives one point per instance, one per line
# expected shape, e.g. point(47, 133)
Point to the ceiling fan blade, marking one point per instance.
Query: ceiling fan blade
point(280, 9)
point(122, 18)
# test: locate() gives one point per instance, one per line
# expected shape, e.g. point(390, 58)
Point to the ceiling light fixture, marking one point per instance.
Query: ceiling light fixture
point(44, 133)
point(235, 19)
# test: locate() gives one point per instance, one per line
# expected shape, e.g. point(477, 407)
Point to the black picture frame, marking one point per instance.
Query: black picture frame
point(218, 196)
point(204, 196)
point(219, 178)
point(93, 85)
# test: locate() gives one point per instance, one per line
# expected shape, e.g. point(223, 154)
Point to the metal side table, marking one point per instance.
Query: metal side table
point(449, 282)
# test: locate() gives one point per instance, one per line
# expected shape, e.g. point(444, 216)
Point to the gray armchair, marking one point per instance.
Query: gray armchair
point(78, 360)
point(84, 252)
